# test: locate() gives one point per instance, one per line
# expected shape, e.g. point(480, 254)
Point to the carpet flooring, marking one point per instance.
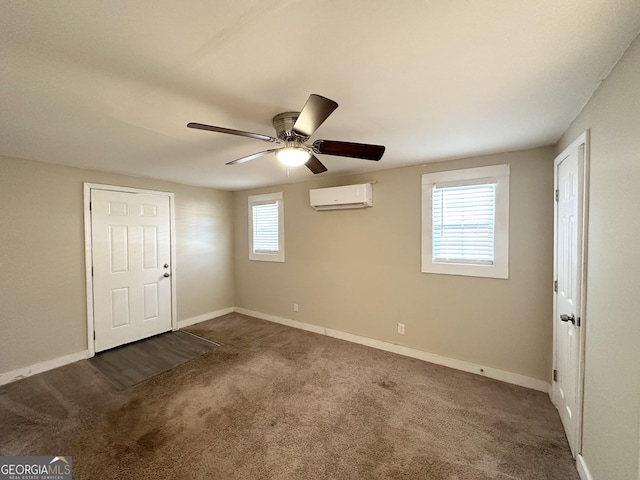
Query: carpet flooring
point(274, 402)
point(139, 361)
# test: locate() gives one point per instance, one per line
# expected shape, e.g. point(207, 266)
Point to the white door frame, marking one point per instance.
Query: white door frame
point(88, 249)
point(584, 140)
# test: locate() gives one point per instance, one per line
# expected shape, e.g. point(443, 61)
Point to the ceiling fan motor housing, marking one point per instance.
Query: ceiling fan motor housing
point(283, 123)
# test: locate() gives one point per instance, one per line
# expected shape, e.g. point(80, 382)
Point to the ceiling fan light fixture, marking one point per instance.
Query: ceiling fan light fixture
point(293, 156)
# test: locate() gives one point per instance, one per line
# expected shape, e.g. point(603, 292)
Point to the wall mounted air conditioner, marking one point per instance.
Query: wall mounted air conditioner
point(336, 198)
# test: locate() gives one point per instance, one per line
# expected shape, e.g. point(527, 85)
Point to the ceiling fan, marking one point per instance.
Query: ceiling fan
point(293, 129)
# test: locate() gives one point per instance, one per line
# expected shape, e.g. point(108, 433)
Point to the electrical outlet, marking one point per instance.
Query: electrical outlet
point(401, 328)
point(295, 307)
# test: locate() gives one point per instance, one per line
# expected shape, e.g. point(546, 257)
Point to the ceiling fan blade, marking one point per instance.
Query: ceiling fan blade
point(348, 149)
point(315, 165)
point(250, 157)
point(211, 128)
point(315, 111)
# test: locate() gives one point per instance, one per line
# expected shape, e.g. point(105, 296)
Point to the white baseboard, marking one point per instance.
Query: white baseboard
point(24, 372)
point(494, 373)
point(583, 471)
point(283, 321)
point(497, 374)
point(202, 318)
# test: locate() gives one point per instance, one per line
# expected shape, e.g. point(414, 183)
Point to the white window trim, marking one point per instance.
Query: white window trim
point(500, 267)
point(258, 199)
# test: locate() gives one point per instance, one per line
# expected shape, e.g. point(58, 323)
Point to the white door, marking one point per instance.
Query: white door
point(568, 269)
point(131, 253)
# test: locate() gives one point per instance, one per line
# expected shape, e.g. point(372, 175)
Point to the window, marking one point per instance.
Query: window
point(465, 222)
point(266, 227)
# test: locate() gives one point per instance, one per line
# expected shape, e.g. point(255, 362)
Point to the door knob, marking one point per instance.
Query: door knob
point(166, 265)
point(167, 275)
point(568, 318)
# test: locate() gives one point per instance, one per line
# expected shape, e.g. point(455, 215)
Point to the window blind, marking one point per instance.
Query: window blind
point(265, 228)
point(464, 223)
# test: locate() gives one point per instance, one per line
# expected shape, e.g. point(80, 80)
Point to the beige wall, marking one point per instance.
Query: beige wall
point(42, 281)
point(612, 368)
point(358, 271)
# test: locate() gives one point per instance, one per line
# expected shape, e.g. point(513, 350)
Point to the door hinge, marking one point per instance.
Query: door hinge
point(555, 375)
point(557, 195)
point(94, 335)
point(92, 272)
point(90, 206)
point(555, 286)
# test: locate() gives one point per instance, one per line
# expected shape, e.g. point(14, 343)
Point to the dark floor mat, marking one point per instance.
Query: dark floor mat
point(136, 362)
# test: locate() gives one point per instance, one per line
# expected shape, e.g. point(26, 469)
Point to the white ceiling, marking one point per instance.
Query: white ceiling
point(111, 85)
